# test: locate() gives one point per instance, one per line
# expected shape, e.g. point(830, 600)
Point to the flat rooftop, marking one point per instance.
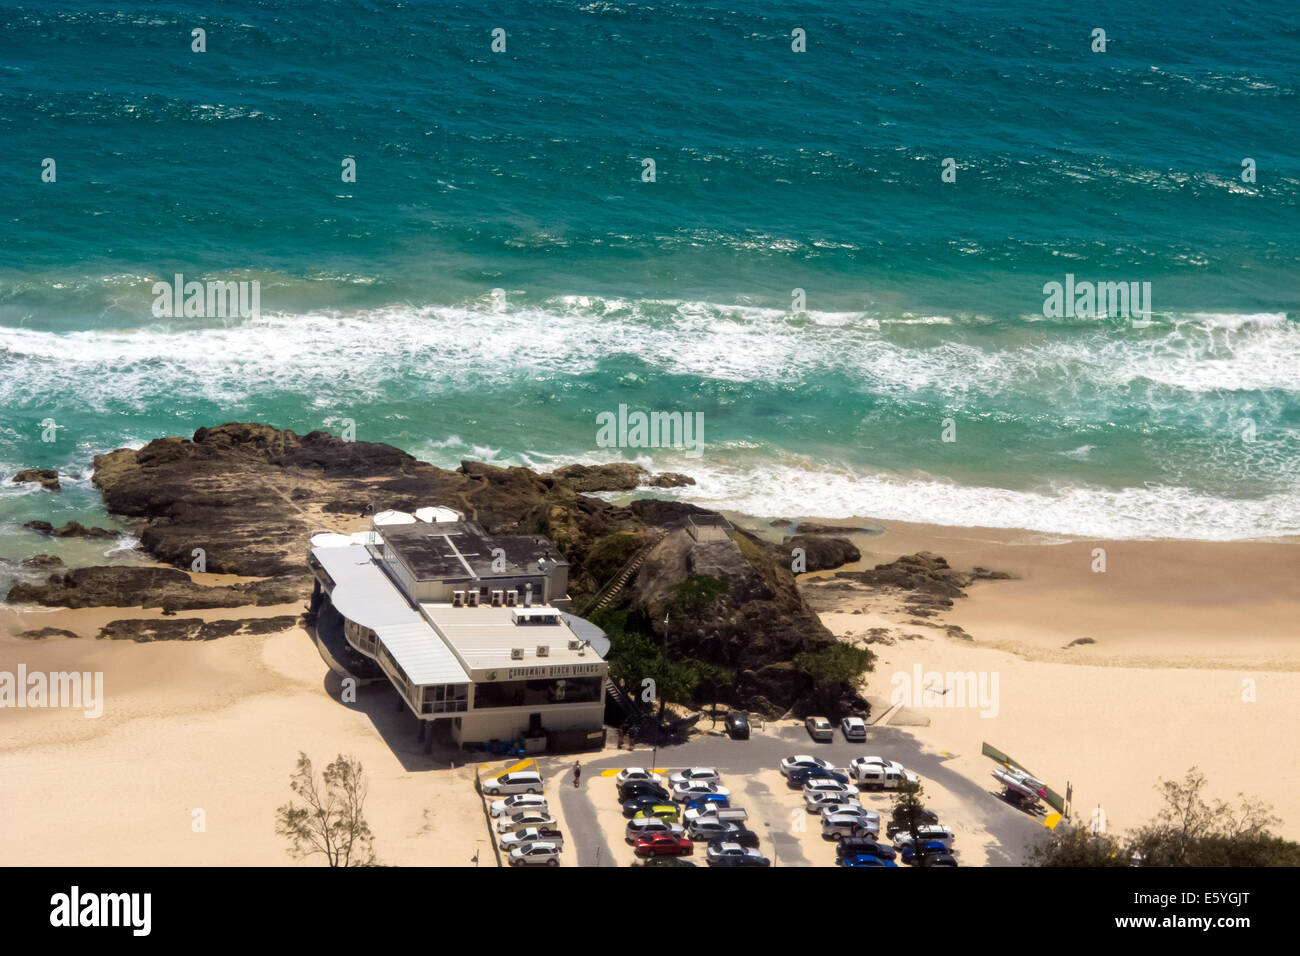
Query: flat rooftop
point(484, 636)
point(461, 549)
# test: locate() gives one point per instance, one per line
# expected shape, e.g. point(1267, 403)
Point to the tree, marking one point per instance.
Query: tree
point(332, 822)
point(909, 812)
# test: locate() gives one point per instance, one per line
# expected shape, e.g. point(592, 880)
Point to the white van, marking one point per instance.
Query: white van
point(522, 781)
point(876, 777)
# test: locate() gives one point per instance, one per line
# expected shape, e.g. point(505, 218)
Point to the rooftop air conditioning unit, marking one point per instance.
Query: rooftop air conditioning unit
point(516, 653)
point(496, 597)
point(574, 645)
point(457, 598)
point(512, 598)
point(543, 650)
point(471, 598)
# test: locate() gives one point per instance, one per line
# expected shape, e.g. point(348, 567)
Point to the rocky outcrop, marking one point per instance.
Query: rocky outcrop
point(145, 631)
point(924, 571)
point(40, 634)
point(822, 553)
point(70, 529)
point(616, 476)
point(169, 589)
point(47, 478)
point(811, 527)
point(43, 562)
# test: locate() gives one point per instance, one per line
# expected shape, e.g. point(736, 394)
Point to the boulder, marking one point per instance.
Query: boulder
point(47, 478)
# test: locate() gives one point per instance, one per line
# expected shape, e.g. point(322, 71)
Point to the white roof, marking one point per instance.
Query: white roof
point(484, 636)
point(393, 517)
point(329, 539)
point(364, 594)
point(435, 514)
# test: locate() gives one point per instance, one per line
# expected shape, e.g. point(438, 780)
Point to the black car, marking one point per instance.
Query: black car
point(744, 836)
point(925, 817)
point(745, 860)
point(938, 859)
point(801, 775)
point(643, 802)
point(853, 846)
point(738, 725)
point(644, 788)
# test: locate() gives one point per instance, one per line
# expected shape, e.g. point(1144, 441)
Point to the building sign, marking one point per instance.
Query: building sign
point(551, 670)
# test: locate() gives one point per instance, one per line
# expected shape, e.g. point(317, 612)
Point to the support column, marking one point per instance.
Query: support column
point(420, 735)
point(428, 742)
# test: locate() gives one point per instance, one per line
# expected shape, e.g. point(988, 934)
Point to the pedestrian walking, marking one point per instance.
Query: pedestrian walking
point(577, 772)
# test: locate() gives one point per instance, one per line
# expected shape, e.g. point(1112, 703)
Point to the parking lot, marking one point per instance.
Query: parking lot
point(988, 832)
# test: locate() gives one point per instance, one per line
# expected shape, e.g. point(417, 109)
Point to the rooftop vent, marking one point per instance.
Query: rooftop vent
point(516, 653)
point(574, 645)
point(543, 650)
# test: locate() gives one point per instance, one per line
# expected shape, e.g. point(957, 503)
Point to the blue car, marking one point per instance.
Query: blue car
point(929, 848)
point(863, 859)
point(708, 800)
point(801, 775)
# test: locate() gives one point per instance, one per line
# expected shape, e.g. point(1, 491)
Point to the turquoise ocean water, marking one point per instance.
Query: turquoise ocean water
point(499, 273)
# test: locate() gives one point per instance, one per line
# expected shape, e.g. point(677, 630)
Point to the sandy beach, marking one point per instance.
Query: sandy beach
point(1179, 630)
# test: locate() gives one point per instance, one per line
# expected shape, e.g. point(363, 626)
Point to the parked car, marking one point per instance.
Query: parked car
point(710, 830)
point(803, 761)
point(908, 852)
point(744, 836)
point(863, 859)
point(535, 854)
point(637, 775)
point(516, 803)
point(524, 818)
point(938, 859)
point(643, 788)
point(853, 728)
point(694, 775)
point(663, 844)
point(706, 800)
point(877, 773)
point(521, 781)
point(851, 806)
point(829, 785)
point(801, 775)
point(852, 846)
point(814, 800)
point(837, 826)
point(664, 811)
point(689, 791)
point(647, 825)
point(634, 806)
point(733, 854)
point(819, 729)
point(738, 725)
point(925, 816)
point(715, 811)
point(533, 835)
point(928, 832)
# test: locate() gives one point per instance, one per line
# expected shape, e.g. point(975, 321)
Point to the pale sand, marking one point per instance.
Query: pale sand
point(215, 726)
point(1181, 631)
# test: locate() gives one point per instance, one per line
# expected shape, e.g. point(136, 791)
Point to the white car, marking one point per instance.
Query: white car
point(524, 818)
point(803, 760)
point(711, 811)
point(723, 853)
point(855, 808)
point(877, 773)
point(828, 785)
point(928, 832)
point(853, 728)
point(695, 775)
point(533, 835)
point(647, 825)
point(636, 775)
point(522, 781)
point(840, 825)
point(535, 854)
point(814, 800)
point(684, 792)
point(518, 803)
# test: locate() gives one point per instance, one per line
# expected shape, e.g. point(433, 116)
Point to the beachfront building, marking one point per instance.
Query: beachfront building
point(471, 629)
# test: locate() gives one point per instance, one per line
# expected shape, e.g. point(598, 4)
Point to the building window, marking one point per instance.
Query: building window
point(532, 693)
point(445, 699)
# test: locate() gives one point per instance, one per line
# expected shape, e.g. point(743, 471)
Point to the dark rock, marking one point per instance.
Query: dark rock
point(780, 523)
point(71, 529)
point(47, 478)
point(811, 527)
point(44, 632)
point(43, 561)
point(615, 476)
point(821, 553)
point(671, 479)
point(924, 572)
point(127, 586)
point(145, 630)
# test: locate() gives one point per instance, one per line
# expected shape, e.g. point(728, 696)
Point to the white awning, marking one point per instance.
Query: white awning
point(436, 514)
point(394, 517)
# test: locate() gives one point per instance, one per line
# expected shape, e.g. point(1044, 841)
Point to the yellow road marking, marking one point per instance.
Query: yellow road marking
point(522, 765)
point(1051, 820)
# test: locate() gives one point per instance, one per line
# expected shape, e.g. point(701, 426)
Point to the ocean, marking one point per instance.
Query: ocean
point(503, 270)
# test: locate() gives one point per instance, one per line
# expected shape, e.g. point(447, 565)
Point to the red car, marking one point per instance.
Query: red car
point(664, 844)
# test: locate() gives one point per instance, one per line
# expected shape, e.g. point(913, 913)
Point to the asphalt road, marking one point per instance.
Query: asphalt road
point(1012, 829)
